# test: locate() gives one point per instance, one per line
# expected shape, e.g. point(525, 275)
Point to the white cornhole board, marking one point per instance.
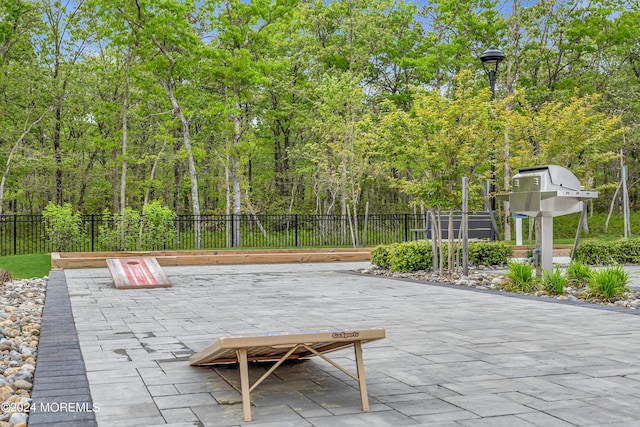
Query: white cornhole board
point(135, 273)
point(279, 347)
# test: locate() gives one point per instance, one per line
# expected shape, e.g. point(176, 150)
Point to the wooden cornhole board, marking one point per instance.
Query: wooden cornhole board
point(279, 347)
point(135, 273)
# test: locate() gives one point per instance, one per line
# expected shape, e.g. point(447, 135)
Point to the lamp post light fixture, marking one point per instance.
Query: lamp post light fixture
point(490, 59)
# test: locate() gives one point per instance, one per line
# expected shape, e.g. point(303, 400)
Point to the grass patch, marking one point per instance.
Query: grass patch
point(26, 266)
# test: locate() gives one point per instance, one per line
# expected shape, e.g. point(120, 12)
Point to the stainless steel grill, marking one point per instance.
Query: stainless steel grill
point(546, 192)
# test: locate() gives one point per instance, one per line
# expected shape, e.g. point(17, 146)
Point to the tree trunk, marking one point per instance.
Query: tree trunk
point(123, 175)
point(16, 144)
point(235, 174)
point(193, 176)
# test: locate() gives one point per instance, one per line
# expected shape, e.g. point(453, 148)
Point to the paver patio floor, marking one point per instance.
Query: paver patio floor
point(452, 356)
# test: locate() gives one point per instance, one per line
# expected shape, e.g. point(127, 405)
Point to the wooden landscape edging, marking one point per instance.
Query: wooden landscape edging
point(558, 250)
point(62, 260)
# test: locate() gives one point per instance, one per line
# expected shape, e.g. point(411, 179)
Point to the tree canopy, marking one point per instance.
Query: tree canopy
point(302, 106)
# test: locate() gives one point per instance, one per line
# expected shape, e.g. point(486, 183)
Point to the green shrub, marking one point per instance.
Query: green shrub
point(411, 256)
point(621, 251)
point(520, 278)
point(489, 253)
point(608, 283)
point(116, 234)
point(62, 226)
point(553, 282)
point(578, 274)
point(414, 256)
point(380, 255)
point(594, 253)
point(158, 226)
point(625, 251)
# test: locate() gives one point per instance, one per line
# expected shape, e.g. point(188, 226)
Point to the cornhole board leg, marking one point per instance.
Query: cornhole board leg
point(244, 383)
point(246, 387)
point(362, 380)
point(134, 273)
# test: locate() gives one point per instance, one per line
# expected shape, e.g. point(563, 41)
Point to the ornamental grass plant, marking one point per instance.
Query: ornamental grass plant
point(608, 283)
point(520, 278)
point(578, 274)
point(554, 282)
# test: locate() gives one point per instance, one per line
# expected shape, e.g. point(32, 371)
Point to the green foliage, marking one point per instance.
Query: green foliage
point(608, 283)
point(119, 234)
point(564, 227)
point(553, 282)
point(626, 251)
point(158, 226)
point(622, 251)
point(380, 255)
point(63, 227)
point(578, 274)
point(284, 101)
point(411, 256)
point(489, 253)
point(594, 253)
point(520, 278)
point(26, 266)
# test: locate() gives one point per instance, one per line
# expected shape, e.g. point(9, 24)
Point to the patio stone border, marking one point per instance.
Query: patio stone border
point(60, 395)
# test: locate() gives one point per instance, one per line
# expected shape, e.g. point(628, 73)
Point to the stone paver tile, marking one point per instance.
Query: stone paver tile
point(497, 421)
point(110, 413)
point(163, 390)
point(125, 393)
point(487, 405)
point(135, 422)
point(542, 419)
point(365, 419)
point(184, 400)
point(590, 415)
point(179, 415)
point(231, 415)
point(423, 407)
point(442, 417)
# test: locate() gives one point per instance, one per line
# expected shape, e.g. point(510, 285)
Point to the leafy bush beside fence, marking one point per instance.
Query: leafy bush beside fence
point(413, 256)
point(63, 226)
point(623, 251)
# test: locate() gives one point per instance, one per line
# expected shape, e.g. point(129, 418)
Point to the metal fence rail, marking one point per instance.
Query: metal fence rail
point(26, 234)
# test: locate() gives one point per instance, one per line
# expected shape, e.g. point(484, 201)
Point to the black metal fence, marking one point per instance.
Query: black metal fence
point(26, 234)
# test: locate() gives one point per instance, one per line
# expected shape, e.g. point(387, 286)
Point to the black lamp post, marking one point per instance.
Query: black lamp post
point(490, 59)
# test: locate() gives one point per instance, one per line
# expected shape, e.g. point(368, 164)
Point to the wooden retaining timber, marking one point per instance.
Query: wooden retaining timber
point(558, 250)
point(62, 260)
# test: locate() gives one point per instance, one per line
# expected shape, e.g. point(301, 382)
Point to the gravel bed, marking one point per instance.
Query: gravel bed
point(494, 278)
point(21, 304)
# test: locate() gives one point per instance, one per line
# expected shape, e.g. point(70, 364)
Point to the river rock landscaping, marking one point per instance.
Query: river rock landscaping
point(494, 278)
point(21, 304)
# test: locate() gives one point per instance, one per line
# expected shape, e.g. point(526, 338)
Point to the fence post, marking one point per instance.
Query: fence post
point(15, 234)
point(406, 227)
point(295, 227)
point(93, 236)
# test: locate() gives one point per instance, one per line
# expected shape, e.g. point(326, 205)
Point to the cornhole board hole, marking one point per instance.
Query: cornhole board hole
point(279, 347)
point(135, 273)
